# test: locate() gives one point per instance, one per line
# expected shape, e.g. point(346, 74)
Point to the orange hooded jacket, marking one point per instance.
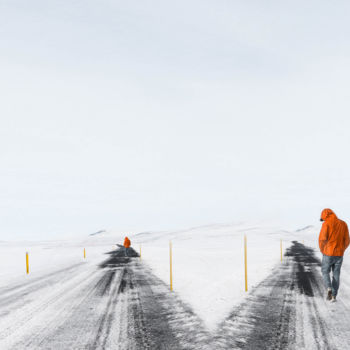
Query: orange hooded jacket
point(127, 242)
point(334, 235)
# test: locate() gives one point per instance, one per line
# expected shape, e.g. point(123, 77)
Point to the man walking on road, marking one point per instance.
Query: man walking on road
point(333, 240)
point(127, 244)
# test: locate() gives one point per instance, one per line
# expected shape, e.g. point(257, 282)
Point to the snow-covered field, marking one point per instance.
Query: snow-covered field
point(46, 257)
point(208, 262)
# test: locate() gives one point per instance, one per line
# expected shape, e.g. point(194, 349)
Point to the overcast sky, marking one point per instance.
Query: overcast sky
point(166, 114)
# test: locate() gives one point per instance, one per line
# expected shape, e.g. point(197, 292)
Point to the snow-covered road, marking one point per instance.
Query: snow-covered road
point(288, 310)
point(120, 304)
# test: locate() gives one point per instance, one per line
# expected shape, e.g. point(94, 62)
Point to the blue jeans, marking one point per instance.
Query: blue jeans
point(331, 263)
point(126, 250)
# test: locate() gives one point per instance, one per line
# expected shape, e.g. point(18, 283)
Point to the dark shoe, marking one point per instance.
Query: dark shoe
point(334, 299)
point(329, 294)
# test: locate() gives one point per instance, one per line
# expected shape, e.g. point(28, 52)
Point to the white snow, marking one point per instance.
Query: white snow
point(208, 262)
point(208, 267)
point(50, 256)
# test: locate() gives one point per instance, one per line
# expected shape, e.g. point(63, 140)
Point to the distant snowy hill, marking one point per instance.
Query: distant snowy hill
point(306, 228)
point(98, 233)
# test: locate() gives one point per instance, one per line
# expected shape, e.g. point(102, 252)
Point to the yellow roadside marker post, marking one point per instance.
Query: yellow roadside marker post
point(281, 250)
point(84, 253)
point(245, 263)
point(171, 265)
point(27, 262)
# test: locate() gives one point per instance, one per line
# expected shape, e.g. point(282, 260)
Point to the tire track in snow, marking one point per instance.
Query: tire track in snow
point(264, 320)
point(36, 312)
point(160, 319)
point(35, 282)
point(18, 295)
point(71, 322)
point(151, 317)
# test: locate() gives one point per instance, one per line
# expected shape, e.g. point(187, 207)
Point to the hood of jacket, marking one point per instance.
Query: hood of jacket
point(328, 214)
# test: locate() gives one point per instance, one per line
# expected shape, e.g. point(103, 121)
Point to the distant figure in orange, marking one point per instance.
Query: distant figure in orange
point(127, 245)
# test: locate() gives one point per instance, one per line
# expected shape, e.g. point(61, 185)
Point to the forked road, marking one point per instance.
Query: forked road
point(122, 305)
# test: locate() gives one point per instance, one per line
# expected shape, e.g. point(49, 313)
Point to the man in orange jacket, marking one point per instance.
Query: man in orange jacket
point(333, 240)
point(127, 244)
